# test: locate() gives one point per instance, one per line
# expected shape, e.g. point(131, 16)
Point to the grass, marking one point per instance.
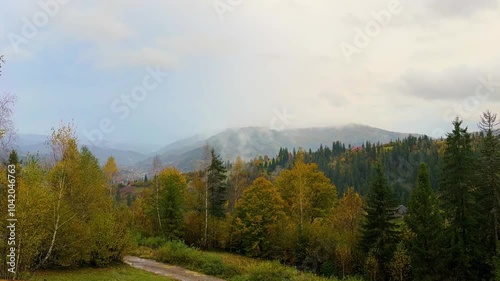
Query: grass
point(227, 266)
point(117, 273)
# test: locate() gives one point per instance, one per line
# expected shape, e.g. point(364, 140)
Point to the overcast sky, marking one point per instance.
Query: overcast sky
point(233, 63)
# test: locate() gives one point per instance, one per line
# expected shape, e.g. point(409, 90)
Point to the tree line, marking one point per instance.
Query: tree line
point(65, 214)
point(289, 209)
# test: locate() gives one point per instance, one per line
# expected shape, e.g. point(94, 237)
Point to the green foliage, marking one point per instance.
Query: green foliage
point(327, 269)
point(231, 267)
point(121, 272)
point(176, 252)
point(346, 220)
point(68, 218)
point(257, 216)
point(217, 186)
point(307, 192)
point(379, 234)
point(272, 271)
point(400, 263)
point(173, 186)
point(154, 242)
point(496, 266)
point(425, 222)
point(488, 195)
point(457, 196)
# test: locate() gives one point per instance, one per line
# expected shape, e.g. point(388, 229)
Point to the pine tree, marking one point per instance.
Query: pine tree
point(379, 234)
point(217, 186)
point(456, 193)
point(425, 222)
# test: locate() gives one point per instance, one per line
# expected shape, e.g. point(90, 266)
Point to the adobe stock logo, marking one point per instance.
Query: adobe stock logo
point(363, 38)
point(470, 104)
point(125, 103)
point(48, 9)
point(222, 7)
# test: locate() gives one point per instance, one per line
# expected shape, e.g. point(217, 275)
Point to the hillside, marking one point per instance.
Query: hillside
point(251, 142)
point(125, 154)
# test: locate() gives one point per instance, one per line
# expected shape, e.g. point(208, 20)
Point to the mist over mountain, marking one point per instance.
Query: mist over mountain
point(246, 142)
point(251, 142)
point(125, 154)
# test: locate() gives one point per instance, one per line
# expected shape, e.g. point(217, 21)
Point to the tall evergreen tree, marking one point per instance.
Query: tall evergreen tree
point(217, 186)
point(457, 198)
point(489, 184)
point(379, 233)
point(425, 222)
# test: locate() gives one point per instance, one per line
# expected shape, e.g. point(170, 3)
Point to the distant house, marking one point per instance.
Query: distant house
point(400, 211)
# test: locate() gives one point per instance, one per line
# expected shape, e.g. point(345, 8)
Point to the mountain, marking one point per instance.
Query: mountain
point(354, 134)
point(251, 142)
point(125, 154)
point(247, 142)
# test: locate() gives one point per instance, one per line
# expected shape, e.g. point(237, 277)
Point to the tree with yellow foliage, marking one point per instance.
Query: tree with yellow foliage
point(110, 170)
point(173, 185)
point(307, 192)
point(346, 223)
point(257, 216)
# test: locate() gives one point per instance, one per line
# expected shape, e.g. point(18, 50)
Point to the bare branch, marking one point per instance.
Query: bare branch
point(8, 134)
point(488, 121)
point(2, 61)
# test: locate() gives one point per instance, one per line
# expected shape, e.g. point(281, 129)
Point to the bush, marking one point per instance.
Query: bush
point(178, 253)
point(270, 271)
point(152, 242)
point(327, 269)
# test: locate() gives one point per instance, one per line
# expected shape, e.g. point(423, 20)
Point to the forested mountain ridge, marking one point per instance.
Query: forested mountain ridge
point(250, 142)
point(352, 166)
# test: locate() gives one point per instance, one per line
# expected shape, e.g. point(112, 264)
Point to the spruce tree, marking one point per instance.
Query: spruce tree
point(489, 185)
point(456, 193)
point(425, 222)
point(217, 186)
point(379, 233)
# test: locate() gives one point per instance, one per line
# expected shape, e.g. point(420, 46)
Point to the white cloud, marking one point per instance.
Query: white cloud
point(267, 54)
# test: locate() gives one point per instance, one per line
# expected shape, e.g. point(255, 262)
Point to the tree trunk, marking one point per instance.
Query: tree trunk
point(206, 213)
point(158, 203)
point(57, 217)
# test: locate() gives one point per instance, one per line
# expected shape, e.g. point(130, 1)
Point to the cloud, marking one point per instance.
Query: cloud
point(335, 100)
point(453, 83)
point(265, 55)
point(109, 58)
point(461, 8)
point(94, 25)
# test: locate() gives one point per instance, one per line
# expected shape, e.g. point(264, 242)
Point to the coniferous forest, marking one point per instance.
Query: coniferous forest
point(412, 209)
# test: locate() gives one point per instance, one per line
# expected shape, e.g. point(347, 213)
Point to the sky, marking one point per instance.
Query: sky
point(158, 71)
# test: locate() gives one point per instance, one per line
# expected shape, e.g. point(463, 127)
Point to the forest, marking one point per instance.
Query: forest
point(412, 209)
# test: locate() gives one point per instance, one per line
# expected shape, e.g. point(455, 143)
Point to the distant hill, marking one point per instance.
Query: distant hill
point(251, 142)
point(124, 154)
point(247, 142)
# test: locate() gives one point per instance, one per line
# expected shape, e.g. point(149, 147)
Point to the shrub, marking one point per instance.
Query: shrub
point(270, 271)
point(152, 242)
point(178, 253)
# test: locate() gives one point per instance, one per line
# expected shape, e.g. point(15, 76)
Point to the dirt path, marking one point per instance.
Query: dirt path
point(171, 271)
